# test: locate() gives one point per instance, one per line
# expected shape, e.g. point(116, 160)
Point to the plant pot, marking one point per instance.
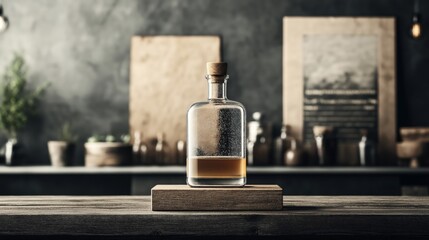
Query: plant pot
point(13, 154)
point(100, 154)
point(61, 153)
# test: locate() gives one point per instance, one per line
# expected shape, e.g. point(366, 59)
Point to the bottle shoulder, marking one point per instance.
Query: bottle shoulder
point(217, 104)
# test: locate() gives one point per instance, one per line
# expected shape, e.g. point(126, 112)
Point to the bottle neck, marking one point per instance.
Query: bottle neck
point(217, 87)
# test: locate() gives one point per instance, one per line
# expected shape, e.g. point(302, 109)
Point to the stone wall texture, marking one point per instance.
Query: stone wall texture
point(82, 47)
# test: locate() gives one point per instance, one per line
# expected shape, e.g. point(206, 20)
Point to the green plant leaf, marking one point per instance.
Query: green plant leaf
point(17, 101)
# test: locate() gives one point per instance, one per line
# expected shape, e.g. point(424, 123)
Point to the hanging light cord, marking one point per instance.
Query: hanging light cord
point(416, 6)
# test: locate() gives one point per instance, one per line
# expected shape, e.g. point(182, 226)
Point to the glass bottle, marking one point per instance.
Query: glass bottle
point(254, 127)
point(366, 150)
point(136, 148)
point(293, 156)
point(282, 145)
point(144, 159)
point(258, 151)
point(259, 125)
point(180, 152)
point(161, 150)
point(139, 149)
point(326, 145)
point(258, 145)
point(216, 145)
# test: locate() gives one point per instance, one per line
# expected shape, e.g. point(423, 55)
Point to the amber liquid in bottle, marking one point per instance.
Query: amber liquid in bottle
point(216, 150)
point(217, 167)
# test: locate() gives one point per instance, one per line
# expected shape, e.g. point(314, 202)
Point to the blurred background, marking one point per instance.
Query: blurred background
point(81, 50)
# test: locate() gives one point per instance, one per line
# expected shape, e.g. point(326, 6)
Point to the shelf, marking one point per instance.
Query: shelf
point(174, 170)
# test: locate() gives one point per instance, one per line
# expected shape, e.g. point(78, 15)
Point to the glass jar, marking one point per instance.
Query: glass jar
point(216, 131)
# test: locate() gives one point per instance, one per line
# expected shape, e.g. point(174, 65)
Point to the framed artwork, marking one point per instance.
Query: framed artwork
point(166, 77)
point(340, 72)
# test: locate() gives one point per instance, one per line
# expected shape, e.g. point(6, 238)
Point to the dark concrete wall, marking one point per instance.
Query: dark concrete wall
point(82, 47)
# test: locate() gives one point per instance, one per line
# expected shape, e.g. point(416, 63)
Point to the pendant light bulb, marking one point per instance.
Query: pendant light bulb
point(416, 29)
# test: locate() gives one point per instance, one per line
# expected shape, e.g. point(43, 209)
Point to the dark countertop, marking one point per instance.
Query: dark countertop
point(302, 216)
point(138, 180)
point(182, 170)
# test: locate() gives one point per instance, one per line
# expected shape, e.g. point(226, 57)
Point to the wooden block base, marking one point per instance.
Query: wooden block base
point(185, 198)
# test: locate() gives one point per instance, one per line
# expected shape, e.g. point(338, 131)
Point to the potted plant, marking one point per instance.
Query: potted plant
point(62, 151)
point(17, 103)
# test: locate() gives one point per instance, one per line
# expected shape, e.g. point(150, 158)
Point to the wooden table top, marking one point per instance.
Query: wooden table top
point(132, 216)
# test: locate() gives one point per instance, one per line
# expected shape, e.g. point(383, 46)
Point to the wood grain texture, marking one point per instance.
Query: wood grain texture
point(185, 198)
point(294, 28)
point(132, 216)
point(167, 76)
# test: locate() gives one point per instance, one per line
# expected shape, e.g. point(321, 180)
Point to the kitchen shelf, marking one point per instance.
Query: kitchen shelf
point(181, 170)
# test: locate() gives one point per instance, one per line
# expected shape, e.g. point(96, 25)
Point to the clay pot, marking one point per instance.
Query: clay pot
point(61, 153)
point(98, 154)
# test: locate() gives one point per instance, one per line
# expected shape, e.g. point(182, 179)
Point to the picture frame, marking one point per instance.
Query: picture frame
point(167, 75)
point(315, 61)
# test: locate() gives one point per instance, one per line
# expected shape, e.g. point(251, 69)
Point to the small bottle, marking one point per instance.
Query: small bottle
point(326, 145)
point(282, 145)
point(258, 146)
point(258, 151)
point(255, 126)
point(144, 159)
point(259, 125)
point(180, 152)
point(139, 149)
point(161, 150)
point(293, 156)
point(216, 145)
point(366, 150)
point(136, 148)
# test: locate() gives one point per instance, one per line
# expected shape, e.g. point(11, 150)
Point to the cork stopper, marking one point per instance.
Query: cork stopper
point(217, 68)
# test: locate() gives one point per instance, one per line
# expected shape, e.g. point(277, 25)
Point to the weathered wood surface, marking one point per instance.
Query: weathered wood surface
point(185, 198)
point(131, 216)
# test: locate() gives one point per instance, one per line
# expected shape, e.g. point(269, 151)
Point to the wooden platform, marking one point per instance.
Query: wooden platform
point(185, 198)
